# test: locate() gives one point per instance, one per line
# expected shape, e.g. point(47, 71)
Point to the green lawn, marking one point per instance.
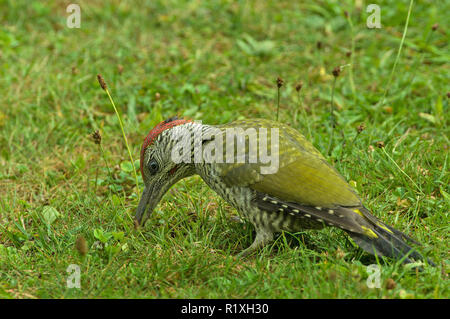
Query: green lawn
point(215, 61)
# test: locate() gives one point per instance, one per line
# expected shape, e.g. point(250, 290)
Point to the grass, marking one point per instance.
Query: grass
point(215, 62)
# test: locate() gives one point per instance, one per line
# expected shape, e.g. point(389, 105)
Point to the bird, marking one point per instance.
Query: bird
point(278, 181)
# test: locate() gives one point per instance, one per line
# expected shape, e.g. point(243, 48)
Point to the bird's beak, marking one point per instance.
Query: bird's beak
point(149, 199)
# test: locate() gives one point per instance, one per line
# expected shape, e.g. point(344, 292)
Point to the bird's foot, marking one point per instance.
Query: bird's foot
point(263, 237)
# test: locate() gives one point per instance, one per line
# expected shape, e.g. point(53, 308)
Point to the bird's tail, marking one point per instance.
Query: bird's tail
point(388, 242)
point(367, 231)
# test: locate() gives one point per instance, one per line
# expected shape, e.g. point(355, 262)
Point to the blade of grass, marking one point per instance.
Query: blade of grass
point(397, 58)
point(352, 56)
point(402, 171)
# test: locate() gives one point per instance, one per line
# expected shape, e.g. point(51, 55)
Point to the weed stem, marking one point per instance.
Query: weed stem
point(332, 119)
point(124, 137)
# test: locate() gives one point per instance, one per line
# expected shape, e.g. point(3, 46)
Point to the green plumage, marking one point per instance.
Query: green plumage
point(304, 176)
point(308, 191)
point(303, 191)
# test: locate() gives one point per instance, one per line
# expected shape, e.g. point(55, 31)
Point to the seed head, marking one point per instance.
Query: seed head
point(157, 96)
point(361, 128)
point(390, 284)
point(102, 82)
point(120, 68)
point(299, 86)
point(280, 82)
point(81, 245)
point(336, 71)
point(380, 144)
point(97, 137)
point(319, 45)
point(448, 95)
point(435, 27)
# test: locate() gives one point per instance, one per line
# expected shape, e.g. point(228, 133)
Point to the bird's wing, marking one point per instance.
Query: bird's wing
point(303, 175)
point(306, 186)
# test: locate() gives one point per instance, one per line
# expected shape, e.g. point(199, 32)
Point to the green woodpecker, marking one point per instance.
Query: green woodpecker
point(270, 173)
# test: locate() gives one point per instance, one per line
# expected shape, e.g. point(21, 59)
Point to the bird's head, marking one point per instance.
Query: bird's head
point(159, 171)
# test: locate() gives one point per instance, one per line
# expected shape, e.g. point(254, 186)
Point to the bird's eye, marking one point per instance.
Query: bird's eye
point(153, 166)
